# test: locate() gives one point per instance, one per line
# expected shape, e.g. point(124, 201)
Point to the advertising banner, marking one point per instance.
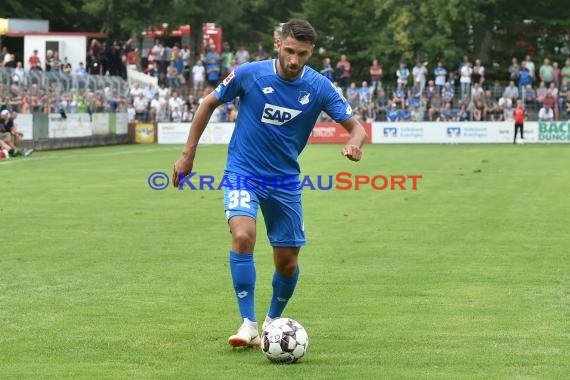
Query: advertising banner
point(144, 133)
point(328, 133)
point(74, 125)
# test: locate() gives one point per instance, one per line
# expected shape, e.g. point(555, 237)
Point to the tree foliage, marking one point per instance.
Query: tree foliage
point(391, 30)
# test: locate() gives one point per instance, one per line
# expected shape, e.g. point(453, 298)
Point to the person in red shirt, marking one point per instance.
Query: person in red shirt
point(519, 115)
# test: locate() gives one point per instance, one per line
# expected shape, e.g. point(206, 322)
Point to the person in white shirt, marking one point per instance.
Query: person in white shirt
point(546, 113)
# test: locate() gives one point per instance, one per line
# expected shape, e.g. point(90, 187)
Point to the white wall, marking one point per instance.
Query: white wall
point(72, 47)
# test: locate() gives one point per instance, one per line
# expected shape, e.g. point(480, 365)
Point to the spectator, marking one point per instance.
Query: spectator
point(546, 73)
point(198, 77)
point(402, 74)
point(514, 71)
point(465, 78)
point(343, 72)
point(375, 76)
point(478, 75)
point(419, 73)
point(546, 113)
point(440, 74)
point(327, 69)
point(242, 55)
point(213, 67)
point(226, 59)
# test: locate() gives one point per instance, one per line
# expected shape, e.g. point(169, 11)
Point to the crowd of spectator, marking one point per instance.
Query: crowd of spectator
point(419, 93)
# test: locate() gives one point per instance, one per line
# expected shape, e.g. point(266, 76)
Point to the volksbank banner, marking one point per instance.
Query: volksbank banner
point(398, 133)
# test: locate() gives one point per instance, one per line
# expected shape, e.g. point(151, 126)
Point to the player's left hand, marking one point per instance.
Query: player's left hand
point(352, 152)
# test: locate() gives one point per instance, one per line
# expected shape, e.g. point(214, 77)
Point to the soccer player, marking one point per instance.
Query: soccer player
point(280, 101)
point(519, 115)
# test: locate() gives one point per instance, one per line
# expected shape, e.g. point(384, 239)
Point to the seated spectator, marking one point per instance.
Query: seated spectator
point(541, 93)
point(512, 91)
point(463, 113)
point(393, 114)
point(497, 90)
point(365, 93)
point(563, 95)
point(381, 105)
point(434, 110)
point(447, 113)
point(399, 95)
point(405, 114)
point(447, 93)
point(546, 113)
point(529, 97)
point(352, 95)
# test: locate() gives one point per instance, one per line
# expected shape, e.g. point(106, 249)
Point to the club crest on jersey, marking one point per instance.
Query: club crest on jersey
point(277, 115)
point(304, 97)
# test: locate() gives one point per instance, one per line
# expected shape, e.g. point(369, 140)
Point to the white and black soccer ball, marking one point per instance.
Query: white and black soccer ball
point(284, 341)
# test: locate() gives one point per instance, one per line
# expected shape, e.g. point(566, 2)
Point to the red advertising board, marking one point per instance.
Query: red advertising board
point(331, 133)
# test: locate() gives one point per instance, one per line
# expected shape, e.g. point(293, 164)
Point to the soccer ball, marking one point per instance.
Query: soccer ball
point(284, 341)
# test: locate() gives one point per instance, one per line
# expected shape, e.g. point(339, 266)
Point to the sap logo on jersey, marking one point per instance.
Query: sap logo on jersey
point(276, 115)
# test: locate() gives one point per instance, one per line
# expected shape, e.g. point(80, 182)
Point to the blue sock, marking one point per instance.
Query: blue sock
point(283, 288)
point(243, 276)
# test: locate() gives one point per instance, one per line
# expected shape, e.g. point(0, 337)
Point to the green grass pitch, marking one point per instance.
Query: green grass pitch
point(466, 278)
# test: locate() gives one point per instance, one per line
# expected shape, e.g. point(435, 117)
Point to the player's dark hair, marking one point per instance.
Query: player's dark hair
point(300, 30)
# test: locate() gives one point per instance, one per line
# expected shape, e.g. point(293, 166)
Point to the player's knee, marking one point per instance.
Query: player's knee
point(243, 241)
point(288, 269)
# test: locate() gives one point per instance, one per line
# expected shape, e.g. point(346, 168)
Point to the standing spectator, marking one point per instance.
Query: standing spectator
point(419, 73)
point(375, 76)
point(440, 74)
point(260, 53)
point(556, 74)
point(546, 73)
point(141, 107)
point(531, 68)
point(519, 116)
point(185, 55)
point(327, 69)
point(34, 61)
point(565, 72)
point(198, 77)
point(172, 75)
point(478, 75)
point(66, 66)
point(465, 78)
point(402, 74)
point(226, 59)
point(343, 72)
point(242, 55)
point(514, 71)
point(212, 66)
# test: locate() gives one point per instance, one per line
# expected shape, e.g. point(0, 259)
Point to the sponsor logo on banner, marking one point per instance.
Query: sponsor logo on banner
point(390, 132)
point(554, 131)
point(453, 131)
point(144, 133)
point(476, 132)
point(331, 133)
point(412, 132)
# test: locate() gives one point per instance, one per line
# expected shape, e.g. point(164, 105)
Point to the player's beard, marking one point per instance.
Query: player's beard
point(290, 73)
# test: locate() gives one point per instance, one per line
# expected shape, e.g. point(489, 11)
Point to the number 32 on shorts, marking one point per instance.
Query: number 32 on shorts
point(239, 198)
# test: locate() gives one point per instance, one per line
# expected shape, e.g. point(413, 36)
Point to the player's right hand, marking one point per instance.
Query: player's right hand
point(184, 166)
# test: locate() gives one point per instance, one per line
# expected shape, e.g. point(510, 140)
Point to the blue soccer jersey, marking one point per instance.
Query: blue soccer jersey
point(276, 116)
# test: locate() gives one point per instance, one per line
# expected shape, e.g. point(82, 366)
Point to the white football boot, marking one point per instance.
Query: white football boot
point(247, 336)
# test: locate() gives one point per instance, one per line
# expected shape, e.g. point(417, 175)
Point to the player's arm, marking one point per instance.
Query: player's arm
point(352, 149)
point(199, 123)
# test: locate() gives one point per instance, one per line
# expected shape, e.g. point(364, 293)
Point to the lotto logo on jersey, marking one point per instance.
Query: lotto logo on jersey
point(276, 115)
